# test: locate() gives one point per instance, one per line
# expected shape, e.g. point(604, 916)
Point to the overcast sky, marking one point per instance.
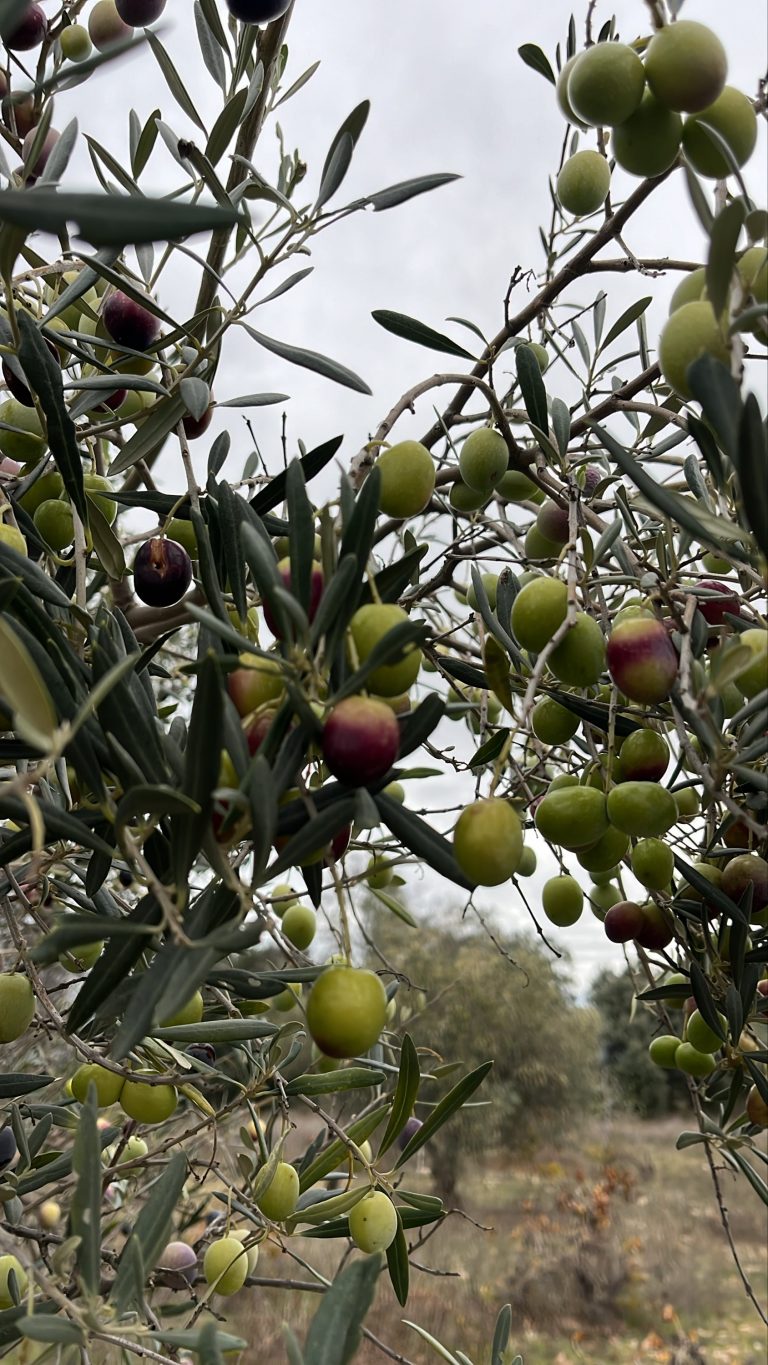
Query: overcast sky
point(448, 93)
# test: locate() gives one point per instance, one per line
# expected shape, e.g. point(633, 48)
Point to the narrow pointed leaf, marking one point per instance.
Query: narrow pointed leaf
point(23, 688)
point(85, 1209)
point(44, 374)
point(110, 219)
point(421, 839)
point(13, 1084)
point(310, 360)
point(408, 189)
point(448, 1105)
point(629, 316)
point(404, 1098)
point(410, 329)
point(397, 1264)
point(721, 261)
point(532, 387)
point(331, 1156)
point(336, 1330)
point(153, 1226)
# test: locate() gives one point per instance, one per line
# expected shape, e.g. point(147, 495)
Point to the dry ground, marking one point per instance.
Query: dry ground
point(610, 1251)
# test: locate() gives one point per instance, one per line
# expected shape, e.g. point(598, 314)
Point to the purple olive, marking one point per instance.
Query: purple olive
point(8, 1148)
point(16, 382)
point(139, 13)
point(30, 32)
point(197, 426)
point(18, 113)
point(162, 572)
point(128, 323)
point(49, 142)
point(17, 387)
point(411, 1128)
point(204, 1052)
point(592, 477)
point(114, 401)
point(257, 11)
point(180, 1259)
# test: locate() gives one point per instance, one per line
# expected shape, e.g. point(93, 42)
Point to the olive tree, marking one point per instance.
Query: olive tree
point(207, 735)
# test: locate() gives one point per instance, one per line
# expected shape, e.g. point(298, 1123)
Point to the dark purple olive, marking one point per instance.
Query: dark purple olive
point(8, 1148)
point(125, 877)
point(592, 477)
point(180, 1259)
point(411, 1128)
point(162, 572)
point(128, 323)
point(30, 32)
point(197, 426)
point(114, 401)
point(17, 387)
point(204, 1052)
point(139, 12)
point(15, 380)
point(257, 11)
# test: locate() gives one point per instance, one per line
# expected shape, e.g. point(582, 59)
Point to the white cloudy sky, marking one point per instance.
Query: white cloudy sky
point(448, 93)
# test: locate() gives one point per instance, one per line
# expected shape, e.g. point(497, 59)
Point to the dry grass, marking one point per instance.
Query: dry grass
point(609, 1251)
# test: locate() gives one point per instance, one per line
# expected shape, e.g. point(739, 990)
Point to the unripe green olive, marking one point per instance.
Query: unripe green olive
point(10, 1264)
point(281, 1195)
point(346, 1011)
point(108, 1084)
point(407, 479)
point(373, 1222)
point(583, 183)
point(693, 1062)
point(488, 841)
point(663, 1049)
point(225, 1265)
point(148, 1103)
point(299, 925)
point(538, 610)
point(17, 1006)
point(483, 459)
point(562, 900)
point(189, 1013)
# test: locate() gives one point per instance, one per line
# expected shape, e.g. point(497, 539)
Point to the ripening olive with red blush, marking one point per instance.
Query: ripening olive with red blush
point(361, 740)
point(642, 660)
point(316, 586)
point(644, 757)
point(552, 521)
point(747, 869)
point(623, 922)
point(257, 730)
point(162, 572)
point(44, 153)
point(655, 932)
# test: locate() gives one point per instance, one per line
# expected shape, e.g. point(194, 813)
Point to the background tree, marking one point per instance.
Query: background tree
point(503, 999)
point(623, 1048)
